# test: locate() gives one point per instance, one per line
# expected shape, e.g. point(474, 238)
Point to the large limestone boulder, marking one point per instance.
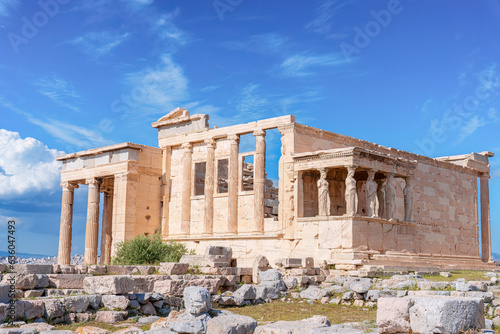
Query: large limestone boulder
point(4, 293)
point(175, 287)
point(76, 304)
point(245, 292)
point(109, 317)
point(67, 281)
point(436, 314)
point(446, 315)
point(54, 308)
point(21, 281)
point(112, 302)
point(173, 268)
point(185, 322)
point(393, 315)
point(196, 300)
point(231, 324)
point(314, 293)
point(108, 285)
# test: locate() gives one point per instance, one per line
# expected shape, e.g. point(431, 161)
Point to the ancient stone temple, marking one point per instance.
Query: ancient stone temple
point(341, 200)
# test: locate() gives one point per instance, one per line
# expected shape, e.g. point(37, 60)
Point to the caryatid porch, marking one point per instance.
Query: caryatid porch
point(131, 187)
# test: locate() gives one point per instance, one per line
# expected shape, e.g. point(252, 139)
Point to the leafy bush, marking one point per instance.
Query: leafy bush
point(144, 249)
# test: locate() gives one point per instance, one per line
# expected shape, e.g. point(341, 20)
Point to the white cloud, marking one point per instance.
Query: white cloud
point(58, 90)
point(470, 126)
point(98, 44)
point(300, 65)
point(496, 173)
point(26, 165)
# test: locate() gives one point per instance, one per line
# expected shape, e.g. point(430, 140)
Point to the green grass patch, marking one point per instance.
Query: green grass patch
point(280, 310)
point(469, 275)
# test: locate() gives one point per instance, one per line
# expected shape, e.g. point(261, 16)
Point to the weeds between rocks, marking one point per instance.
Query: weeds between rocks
point(290, 311)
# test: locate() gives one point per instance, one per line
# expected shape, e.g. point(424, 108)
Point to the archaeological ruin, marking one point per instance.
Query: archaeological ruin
point(340, 200)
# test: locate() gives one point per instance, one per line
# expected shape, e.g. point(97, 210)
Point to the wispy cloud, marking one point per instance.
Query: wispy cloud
point(70, 134)
point(271, 43)
point(302, 64)
point(98, 44)
point(6, 6)
point(58, 90)
point(324, 20)
point(164, 27)
point(161, 87)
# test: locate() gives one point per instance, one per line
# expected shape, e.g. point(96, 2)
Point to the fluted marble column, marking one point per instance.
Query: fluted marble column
point(107, 221)
point(485, 218)
point(186, 188)
point(259, 182)
point(64, 256)
point(92, 230)
point(232, 221)
point(208, 222)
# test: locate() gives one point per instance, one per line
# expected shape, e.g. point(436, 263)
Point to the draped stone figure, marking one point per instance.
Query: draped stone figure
point(371, 194)
point(408, 197)
point(381, 197)
point(323, 195)
point(351, 193)
point(390, 196)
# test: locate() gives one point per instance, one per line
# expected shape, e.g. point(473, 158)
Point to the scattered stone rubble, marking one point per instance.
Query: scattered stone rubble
point(177, 297)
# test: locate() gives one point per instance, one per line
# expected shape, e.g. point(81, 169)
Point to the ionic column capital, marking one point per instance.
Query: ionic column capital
point(69, 185)
point(259, 132)
point(485, 176)
point(210, 142)
point(93, 182)
point(187, 147)
point(233, 138)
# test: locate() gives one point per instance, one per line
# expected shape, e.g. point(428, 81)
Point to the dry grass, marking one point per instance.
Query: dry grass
point(280, 310)
point(469, 275)
point(109, 327)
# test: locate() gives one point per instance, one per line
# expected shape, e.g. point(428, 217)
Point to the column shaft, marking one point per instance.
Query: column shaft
point(92, 230)
point(232, 221)
point(186, 188)
point(485, 219)
point(64, 256)
point(259, 182)
point(208, 222)
point(166, 162)
point(106, 234)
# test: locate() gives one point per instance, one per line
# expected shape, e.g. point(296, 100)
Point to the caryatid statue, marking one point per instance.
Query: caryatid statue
point(381, 197)
point(371, 194)
point(323, 194)
point(390, 196)
point(408, 195)
point(351, 193)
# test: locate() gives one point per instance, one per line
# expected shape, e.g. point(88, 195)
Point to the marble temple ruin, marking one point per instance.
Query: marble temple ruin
point(341, 200)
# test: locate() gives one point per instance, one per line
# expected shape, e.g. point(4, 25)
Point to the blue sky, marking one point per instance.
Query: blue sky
point(421, 76)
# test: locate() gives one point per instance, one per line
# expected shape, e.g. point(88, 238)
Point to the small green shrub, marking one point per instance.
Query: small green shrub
point(146, 250)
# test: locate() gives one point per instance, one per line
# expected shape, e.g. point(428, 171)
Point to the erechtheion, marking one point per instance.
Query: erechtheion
point(340, 200)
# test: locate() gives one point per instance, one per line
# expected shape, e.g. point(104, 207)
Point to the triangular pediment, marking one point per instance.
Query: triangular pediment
point(176, 113)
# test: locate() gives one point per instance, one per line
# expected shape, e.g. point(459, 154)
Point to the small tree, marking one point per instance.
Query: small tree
point(144, 250)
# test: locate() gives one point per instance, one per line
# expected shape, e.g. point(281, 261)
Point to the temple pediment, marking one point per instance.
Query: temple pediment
point(180, 121)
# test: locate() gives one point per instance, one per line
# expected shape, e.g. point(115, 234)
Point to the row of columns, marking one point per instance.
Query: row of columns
point(382, 193)
point(233, 184)
point(92, 226)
